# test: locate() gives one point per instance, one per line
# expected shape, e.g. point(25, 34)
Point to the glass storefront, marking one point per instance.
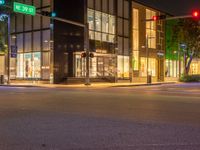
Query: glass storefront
point(29, 65)
point(100, 66)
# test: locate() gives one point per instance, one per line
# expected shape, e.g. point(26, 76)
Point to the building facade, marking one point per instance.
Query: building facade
point(50, 50)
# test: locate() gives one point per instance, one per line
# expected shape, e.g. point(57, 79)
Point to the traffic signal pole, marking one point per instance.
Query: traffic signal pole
point(87, 48)
point(9, 48)
point(171, 18)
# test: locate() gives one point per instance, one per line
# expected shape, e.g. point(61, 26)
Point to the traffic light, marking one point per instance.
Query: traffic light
point(49, 14)
point(196, 14)
point(2, 2)
point(83, 55)
point(91, 55)
point(161, 17)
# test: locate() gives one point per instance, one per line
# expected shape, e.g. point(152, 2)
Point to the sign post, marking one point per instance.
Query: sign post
point(24, 9)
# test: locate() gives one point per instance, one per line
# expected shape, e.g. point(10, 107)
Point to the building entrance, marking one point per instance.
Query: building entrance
point(100, 66)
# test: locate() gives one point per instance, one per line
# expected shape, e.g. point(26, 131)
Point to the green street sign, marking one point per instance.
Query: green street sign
point(24, 9)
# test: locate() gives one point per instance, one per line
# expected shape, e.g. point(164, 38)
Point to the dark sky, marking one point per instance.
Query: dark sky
point(175, 7)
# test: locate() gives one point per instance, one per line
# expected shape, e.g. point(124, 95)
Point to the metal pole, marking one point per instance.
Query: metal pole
point(179, 60)
point(147, 56)
point(9, 42)
point(87, 48)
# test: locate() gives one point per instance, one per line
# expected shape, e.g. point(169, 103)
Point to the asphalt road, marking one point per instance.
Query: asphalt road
point(164, 117)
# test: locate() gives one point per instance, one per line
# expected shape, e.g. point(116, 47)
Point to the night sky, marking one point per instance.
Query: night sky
point(174, 7)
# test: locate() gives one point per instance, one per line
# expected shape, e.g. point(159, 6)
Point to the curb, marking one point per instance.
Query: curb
point(71, 86)
point(152, 84)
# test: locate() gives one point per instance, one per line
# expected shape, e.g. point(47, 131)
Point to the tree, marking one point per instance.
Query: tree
point(3, 40)
point(187, 31)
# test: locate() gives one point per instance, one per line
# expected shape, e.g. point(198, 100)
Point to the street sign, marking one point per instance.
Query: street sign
point(24, 9)
point(13, 51)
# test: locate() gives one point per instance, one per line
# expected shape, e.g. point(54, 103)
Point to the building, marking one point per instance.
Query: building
point(50, 50)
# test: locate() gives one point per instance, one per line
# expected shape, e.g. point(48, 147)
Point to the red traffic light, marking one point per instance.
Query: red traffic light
point(196, 14)
point(155, 18)
point(160, 17)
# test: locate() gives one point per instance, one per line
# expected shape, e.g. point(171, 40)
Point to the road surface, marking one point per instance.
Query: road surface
point(162, 117)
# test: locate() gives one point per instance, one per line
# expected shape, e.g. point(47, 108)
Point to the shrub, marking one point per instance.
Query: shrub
point(190, 78)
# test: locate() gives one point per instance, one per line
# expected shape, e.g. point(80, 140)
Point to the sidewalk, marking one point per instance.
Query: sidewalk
point(93, 85)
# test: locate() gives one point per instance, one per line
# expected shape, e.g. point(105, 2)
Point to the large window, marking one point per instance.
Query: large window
point(101, 26)
point(135, 39)
point(151, 67)
point(123, 66)
point(29, 65)
point(151, 29)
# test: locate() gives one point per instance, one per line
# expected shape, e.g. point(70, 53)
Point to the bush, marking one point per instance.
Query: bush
point(190, 78)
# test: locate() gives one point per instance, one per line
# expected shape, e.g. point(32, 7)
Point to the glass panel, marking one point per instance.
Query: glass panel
point(20, 42)
point(111, 38)
point(46, 40)
point(135, 40)
point(37, 3)
point(91, 3)
point(120, 66)
point(28, 22)
point(36, 65)
point(36, 22)
point(27, 65)
point(126, 28)
point(112, 24)
point(120, 8)
point(126, 46)
point(111, 7)
point(97, 21)
point(143, 66)
point(46, 20)
point(45, 2)
point(28, 2)
point(98, 36)
point(46, 66)
point(91, 19)
point(37, 41)
point(12, 23)
point(126, 9)
point(105, 5)
point(105, 23)
point(91, 35)
point(98, 4)
point(126, 66)
point(105, 37)
point(120, 45)
point(135, 60)
point(28, 42)
point(19, 22)
point(120, 26)
point(20, 60)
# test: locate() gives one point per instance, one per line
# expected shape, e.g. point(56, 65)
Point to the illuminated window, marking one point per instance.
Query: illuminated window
point(151, 29)
point(123, 66)
point(101, 26)
point(151, 68)
point(135, 39)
